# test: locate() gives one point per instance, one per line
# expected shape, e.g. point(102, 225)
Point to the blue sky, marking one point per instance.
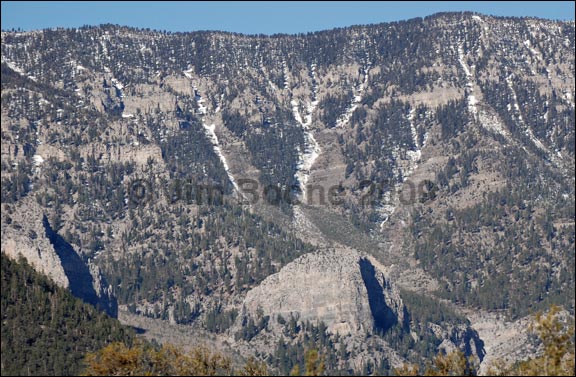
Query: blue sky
point(253, 17)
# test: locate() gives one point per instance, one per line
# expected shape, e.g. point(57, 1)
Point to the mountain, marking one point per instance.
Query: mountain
point(378, 192)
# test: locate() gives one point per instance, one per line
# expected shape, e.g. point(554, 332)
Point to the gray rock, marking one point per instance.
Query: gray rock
point(339, 287)
point(31, 236)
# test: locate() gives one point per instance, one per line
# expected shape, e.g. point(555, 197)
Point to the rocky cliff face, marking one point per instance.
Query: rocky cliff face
point(26, 237)
point(86, 280)
point(32, 237)
point(351, 295)
point(338, 287)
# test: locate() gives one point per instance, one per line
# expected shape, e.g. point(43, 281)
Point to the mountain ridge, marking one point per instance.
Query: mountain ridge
point(445, 142)
point(281, 35)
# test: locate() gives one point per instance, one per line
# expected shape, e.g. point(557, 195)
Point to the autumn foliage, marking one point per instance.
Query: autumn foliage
point(117, 359)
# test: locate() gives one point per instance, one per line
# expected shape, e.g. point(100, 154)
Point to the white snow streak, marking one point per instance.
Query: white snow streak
point(528, 130)
point(14, 67)
point(188, 72)
point(472, 101)
point(534, 52)
point(489, 122)
point(492, 123)
point(462, 60)
point(211, 134)
point(210, 131)
point(555, 158)
point(312, 150)
point(285, 72)
point(17, 69)
point(414, 155)
point(202, 109)
point(568, 98)
point(118, 85)
point(345, 118)
point(38, 160)
point(387, 207)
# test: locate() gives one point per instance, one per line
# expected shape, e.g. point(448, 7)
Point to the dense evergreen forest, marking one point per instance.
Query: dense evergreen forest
point(46, 330)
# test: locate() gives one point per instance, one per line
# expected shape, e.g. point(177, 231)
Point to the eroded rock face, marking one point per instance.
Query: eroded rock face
point(49, 253)
point(28, 239)
point(339, 287)
point(106, 301)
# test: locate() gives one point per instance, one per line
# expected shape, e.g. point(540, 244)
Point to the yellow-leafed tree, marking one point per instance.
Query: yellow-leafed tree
point(117, 359)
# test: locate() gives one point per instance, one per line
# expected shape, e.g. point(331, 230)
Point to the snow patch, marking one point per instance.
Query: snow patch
point(210, 131)
point(568, 98)
point(387, 211)
point(387, 206)
point(188, 72)
point(202, 109)
point(534, 52)
point(211, 134)
point(492, 123)
point(14, 67)
point(461, 59)
point(472, 101)
point(117, 84)
point(286, 73)
point(218, 107)
point(359, 92)
point(38, 160)
point(416, 154)
point(528, 131)
point(296, 112)
point(312, 150)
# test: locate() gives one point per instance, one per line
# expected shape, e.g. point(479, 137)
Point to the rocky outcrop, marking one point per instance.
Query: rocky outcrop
point(27, 233)
point(353, 295)
point(86, 281)
point(505, 341)
point(23, 235)
point(459, 337)
point(106, 300)
point(338, 287)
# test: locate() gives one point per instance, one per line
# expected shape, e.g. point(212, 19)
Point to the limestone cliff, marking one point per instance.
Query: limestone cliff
point(33, 238)
point(338, 287)
point(354, 297)
point(27, 238)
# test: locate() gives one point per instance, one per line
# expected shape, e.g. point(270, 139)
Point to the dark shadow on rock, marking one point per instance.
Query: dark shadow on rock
point(77, 272)
point(468, 338)
point(479, 344)
point(138, 330)
point(384, 317)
